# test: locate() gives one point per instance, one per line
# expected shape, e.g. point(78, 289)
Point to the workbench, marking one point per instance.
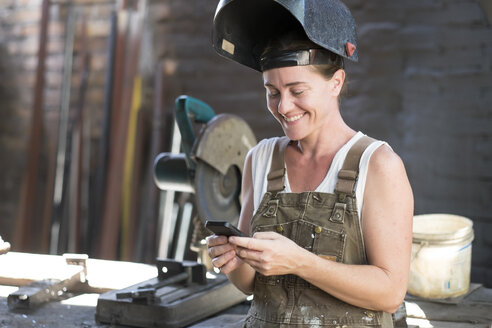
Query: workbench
point(77, 309)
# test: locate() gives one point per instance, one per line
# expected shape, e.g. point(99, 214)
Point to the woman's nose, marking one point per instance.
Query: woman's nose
point(285, 104)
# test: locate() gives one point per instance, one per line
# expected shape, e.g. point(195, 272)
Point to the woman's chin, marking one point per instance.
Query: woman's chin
point(293, 135)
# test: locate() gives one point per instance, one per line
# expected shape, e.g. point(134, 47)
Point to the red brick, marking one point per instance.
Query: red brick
point(56, 29)
point(55, 46)
point(54, 63)
point(23, 46)
point(52, 97)
point(98, 28)
point(160, 11)
point(53, 79)
point(32, 15)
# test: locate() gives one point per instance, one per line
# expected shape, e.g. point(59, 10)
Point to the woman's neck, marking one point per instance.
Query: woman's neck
point(330, 137)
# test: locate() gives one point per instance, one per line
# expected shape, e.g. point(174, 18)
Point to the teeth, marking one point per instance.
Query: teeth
point(293, 118)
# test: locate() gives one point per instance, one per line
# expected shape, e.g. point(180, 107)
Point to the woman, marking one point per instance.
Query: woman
point(328, 208)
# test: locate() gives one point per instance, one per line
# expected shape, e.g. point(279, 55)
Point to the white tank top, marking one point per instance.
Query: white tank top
point(262, 158)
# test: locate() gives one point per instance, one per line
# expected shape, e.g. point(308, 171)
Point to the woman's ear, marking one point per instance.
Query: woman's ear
point(338, 79)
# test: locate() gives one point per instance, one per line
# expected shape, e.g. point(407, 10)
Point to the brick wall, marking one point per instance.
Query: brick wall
point(423, 83)
point(19, 44)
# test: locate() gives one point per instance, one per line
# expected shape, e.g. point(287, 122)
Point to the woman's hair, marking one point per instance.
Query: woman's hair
point(296, 39)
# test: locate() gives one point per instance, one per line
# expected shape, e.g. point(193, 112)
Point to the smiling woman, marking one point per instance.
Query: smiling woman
point(329, 209)
point(302, 100)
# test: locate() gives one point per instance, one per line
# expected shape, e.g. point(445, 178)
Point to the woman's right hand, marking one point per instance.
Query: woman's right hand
point(223, 253)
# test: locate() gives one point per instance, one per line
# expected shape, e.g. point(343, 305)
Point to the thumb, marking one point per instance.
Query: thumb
point(266, 235)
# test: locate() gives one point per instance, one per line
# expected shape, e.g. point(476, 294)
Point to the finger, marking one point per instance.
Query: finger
point(249, 254)
point(220, 249)
point(254, 264)
point(215, 240)
point(266, 235)
point(221, 260)
point(250, 243)
point(231, 265)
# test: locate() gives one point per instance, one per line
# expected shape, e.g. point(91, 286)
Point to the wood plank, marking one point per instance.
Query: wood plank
point(19, 269)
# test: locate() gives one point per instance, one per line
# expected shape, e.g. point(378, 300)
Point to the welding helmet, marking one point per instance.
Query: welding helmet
point(242, 29)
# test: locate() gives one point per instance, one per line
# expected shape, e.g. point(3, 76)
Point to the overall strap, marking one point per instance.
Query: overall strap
point(350, 169)
point(276, 176)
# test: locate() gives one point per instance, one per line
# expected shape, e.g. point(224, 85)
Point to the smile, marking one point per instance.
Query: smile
point(293, 118)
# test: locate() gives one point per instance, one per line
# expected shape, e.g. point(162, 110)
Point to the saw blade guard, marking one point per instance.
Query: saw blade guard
point(219, 152)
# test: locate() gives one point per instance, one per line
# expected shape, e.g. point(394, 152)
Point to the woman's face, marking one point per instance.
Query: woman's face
point(301, 99)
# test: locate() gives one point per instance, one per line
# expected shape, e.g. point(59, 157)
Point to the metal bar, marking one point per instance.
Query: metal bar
point(22, 233)
point(82, 4)
point(184, 229)
point(129, 173)
point(133, 158)
point(84, 231)
point(99, 187)
point(62, 135)
point(146, 238)
point(166, 227)
point(110, 220)
point(76, 195)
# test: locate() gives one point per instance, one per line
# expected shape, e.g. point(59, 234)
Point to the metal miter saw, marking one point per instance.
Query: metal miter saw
point(212, 163)
point(208, 173)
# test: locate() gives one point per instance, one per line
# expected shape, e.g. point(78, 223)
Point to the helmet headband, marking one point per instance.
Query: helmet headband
point(302, 57)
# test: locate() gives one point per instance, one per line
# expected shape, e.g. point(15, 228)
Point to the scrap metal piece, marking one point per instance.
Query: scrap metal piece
point(80, 260)
point(40, 292)
point(36, 293)
point(47, 290)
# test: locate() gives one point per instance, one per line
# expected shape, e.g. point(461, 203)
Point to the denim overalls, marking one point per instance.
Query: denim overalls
point(325, 224)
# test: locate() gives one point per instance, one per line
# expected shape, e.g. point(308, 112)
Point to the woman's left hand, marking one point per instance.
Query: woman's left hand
point(269, 253)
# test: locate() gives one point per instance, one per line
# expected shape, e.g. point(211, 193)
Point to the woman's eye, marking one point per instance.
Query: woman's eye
point(273, 94)
point(297, 92)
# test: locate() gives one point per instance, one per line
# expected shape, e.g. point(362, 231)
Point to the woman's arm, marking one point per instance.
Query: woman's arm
point(387, 227)
point(223, 253)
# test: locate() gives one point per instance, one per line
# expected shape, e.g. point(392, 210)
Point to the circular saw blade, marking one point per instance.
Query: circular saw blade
point(217, 195)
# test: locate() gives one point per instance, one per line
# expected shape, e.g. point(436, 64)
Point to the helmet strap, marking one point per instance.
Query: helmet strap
point(302, 57)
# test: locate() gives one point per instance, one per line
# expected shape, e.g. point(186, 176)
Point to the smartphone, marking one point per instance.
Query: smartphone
point(224, 228)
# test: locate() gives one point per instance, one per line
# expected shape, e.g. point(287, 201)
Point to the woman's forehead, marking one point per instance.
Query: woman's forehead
point(290, 75)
